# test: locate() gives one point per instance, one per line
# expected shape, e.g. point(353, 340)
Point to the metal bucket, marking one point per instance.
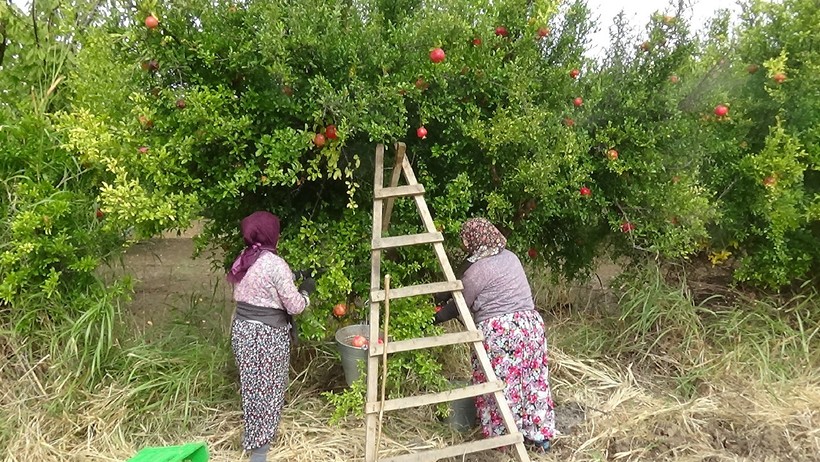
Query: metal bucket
point(463, 415)
point(352, 356)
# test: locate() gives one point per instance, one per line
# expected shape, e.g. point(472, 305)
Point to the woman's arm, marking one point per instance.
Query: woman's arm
point(284, 287)
point(472, 285)
point(470, 292)
point(447, 312)
point(443, 297)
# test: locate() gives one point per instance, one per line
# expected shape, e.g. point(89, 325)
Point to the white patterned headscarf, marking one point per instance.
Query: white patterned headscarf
point(482, 239)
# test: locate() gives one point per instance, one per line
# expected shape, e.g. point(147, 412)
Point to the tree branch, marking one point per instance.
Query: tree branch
point(632, 236)
point(726, 191)
point(34, 22)
point(50, 21)
point(3, 42)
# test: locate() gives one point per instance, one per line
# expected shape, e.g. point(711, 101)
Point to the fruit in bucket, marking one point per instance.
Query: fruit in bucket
point(359, 341)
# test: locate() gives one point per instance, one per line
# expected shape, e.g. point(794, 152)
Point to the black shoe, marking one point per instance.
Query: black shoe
point(540, 447)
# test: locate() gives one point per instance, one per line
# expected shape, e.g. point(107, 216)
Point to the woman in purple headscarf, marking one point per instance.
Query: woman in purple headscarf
point(266, 298)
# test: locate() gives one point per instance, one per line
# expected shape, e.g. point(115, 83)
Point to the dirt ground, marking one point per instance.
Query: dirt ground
point(170, 284)
point(169, 281)
point(605, 411)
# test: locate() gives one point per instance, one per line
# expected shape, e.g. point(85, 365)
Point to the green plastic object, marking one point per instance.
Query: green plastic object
point(191, 452)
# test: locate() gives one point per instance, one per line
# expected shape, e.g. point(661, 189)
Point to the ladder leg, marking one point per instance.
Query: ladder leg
point(394, 181)
point(371, 451)
point(382, 209)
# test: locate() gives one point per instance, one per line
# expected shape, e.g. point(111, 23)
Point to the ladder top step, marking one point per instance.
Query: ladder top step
point(454, 338)
point(379, 243)
point(377, 295)
point(459, 450)
point(398, 191)
point(435, 398)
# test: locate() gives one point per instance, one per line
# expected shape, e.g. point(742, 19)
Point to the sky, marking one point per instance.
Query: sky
point(637, 12)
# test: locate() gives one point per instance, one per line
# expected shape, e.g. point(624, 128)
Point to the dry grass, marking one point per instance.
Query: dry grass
point(626, 419)
point(632, 419)
point(608, 409)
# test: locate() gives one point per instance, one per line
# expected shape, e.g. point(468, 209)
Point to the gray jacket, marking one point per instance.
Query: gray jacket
point(497, 285)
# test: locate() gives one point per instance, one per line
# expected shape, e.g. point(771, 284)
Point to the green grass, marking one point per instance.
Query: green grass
point(658, 326)
point(162, 382)
point(769, 340)
point(654, 313)
point(176, 379)
point(182, 371)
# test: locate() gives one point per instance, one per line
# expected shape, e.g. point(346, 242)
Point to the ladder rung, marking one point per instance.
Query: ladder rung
point(459, 449)
point(398, 191)
point(412, 291)
point(435, 398)
point(410, 239)
point(429, 342)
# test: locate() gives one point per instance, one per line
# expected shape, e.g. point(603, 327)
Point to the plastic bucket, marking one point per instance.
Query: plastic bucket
point(192, 452)
point(352, 356)
point(462, 417)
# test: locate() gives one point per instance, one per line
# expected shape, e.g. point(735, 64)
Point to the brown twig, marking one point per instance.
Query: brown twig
point(319, 198)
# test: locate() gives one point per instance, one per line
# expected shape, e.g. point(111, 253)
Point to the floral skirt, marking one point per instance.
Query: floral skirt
point(517, 346)
point(262, 356)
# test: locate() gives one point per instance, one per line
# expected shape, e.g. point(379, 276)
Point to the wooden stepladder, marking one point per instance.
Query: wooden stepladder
point(383, 198)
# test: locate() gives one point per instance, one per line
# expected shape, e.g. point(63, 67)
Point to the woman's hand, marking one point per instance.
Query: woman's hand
point(308, 286)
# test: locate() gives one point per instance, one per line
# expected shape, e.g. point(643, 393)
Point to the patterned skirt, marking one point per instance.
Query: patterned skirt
point(262, 356)
point(517, 346)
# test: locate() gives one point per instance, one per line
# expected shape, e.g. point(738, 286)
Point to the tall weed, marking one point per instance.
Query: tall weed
point(657, 324)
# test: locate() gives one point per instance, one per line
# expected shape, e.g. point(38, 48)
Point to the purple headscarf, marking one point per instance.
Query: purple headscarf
point(260, 230)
